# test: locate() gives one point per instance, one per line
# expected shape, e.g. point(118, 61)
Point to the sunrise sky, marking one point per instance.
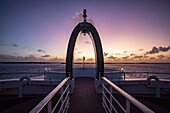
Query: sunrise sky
point(130, 30)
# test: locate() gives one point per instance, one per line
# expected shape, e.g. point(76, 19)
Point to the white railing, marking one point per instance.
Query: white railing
point(64, 100)
point(33, 75)
point(125, 75)
point(108, 104)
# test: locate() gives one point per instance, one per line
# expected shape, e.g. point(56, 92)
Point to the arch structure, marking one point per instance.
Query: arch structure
point(88, 28)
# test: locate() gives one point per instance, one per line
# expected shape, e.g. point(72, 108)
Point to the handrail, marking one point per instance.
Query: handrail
point(113, 97)
point(34, 73)
point(45, 101)
point(129, 97)
point(130, 72)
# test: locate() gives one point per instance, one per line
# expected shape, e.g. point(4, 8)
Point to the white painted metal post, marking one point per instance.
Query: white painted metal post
point(49, 106)
point(103, 96)
point(62, 99)
point(111, 99)
point(127, 106)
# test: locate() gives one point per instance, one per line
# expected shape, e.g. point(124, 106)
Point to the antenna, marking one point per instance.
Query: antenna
point(84, 15)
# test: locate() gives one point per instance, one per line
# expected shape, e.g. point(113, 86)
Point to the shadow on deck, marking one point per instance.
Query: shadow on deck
point(84, 98)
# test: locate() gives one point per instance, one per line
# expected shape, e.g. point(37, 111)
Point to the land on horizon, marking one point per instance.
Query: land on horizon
point(84, 63)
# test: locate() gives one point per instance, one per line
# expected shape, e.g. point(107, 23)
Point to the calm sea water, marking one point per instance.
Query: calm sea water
point(10, 68)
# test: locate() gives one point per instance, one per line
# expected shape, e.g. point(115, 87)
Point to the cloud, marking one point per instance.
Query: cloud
point(79, 52)
point(160, 56)
point(157, 50)
point(77, 18)
point(152, 58)
point(125, 58)
point(79, 59)
point(30, 58)
point(117, 53)
point(145, 56)
point(112, 57)
point(138, 57)
point(2, 43)
point(90, 59)
point(140, 49)
point(91, 21)
point(125, 52)
point(41, 51)
point(106, 54)
point(10, 58)
point(14, 45)
point(15, 53)
point(87, 42)
point(45, 55)
point(132, 54)
point(56, 59)
point(164, 49)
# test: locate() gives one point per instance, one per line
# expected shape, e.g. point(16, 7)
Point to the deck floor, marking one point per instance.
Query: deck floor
point(84, 98)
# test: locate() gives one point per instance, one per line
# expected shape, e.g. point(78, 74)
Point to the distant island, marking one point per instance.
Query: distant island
point(84, 63)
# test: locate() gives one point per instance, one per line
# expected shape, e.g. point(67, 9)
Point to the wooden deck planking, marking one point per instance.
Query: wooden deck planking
point(84, 98)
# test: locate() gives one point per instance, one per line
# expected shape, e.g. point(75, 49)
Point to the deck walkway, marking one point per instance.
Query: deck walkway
point(84, 98)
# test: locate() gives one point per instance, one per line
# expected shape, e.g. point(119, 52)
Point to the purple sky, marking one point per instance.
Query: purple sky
point(39, 30)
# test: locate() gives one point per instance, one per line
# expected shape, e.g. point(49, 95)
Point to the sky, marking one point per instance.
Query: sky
point(130, 30)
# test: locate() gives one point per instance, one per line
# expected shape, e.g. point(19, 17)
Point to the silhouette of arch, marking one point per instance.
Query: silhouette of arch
point(88, 28)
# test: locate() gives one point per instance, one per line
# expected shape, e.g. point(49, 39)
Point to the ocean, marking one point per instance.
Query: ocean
point(13, 68)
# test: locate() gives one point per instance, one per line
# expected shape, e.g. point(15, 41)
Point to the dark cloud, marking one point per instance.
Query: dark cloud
point(79, 59)
point(90, 59)
point(30, 58)
point(132, 54)
point(105, 54)
point(56, 59)
point(145, 56)
point(152, 58)
point(112, 57)
point(14, 45)
point(45, 55)
point(40, 50)
point(138, 57)
point(87, 42)
point(10, 58)
point(164, 49)
point(157, 50)
point(125, 58)
point(140, 49)
point(160, 56)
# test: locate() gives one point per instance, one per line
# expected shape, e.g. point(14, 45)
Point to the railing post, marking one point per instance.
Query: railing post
point(103, 95)
point(62, 99)
point(49, 106)
point(127, 106)
point(124, 75)
point(111, 99)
